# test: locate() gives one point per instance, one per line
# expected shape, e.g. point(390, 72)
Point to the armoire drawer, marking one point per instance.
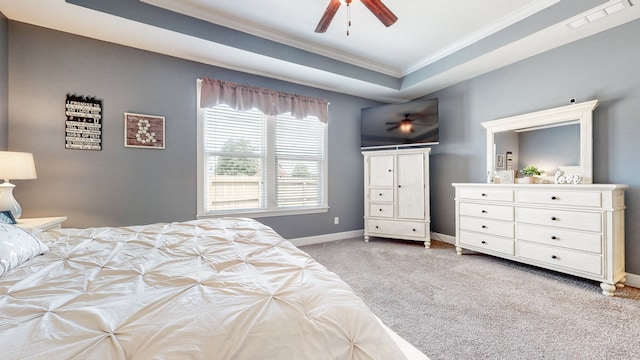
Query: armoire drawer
point(491, 227)
point(556, 257)
point(555, 197)
point(398, 228)
point(570, 239)
point(588, 221)
point(487, 242)
point(381, 210)
point(381, 194)
point(496, 212)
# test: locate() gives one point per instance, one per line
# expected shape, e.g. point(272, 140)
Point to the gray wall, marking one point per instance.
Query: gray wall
point(603, 67)
point(122, 186)
point(4, 68)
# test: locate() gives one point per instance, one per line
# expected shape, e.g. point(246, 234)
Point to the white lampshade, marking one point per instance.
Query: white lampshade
point(16, 166)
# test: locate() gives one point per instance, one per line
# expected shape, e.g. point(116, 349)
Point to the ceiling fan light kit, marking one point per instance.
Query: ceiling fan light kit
point(378, 9)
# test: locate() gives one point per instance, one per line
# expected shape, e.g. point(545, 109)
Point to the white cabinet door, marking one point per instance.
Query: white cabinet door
point(411, 188)
point(381, 170)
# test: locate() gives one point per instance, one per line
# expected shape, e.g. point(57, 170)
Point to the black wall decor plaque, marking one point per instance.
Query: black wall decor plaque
point(83, 127)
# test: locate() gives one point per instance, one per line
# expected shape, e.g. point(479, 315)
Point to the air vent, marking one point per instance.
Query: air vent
point(611, 7)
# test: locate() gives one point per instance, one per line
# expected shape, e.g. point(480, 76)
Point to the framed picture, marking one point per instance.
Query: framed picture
point(6, 217)
point(500, 161)
point(143, 131)
point(507, 176)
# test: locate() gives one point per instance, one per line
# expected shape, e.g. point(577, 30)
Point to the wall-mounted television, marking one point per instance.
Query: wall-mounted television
point(413, 123)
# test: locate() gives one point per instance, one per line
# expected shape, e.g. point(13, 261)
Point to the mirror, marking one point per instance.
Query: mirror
point(533, 139)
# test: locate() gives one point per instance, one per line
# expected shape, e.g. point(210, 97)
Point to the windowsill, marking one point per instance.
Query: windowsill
point(260, 214)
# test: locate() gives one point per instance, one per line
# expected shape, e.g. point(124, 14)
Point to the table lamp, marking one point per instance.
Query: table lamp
point(15, 166)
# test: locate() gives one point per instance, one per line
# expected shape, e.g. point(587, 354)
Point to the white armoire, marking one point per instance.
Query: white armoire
point(396, 194)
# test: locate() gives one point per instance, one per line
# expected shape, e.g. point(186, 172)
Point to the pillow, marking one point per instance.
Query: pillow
point(17, 246)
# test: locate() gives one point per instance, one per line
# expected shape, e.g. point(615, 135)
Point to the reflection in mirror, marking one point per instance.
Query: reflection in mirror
point(548, 149)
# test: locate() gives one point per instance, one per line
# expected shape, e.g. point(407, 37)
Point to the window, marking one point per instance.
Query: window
point(252, 163)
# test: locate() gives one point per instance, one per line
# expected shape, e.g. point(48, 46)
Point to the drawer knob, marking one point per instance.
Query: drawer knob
point(414, 230)
point(389, 170)
point(483, 194)
point(377, 227)
point(554, 218)
point(554, 198)
point(380, 194)
point(484, 211)
point(399, 186)
point(484, 242)
point(554, 257)
point(553, 237)
point(380, 209)
point(484, 226)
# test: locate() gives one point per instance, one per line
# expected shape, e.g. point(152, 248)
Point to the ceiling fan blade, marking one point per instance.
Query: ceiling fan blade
point(381, 12)
point(393, 127)
point(328, 15)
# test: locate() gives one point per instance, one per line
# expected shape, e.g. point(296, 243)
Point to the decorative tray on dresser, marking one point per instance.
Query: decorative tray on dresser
point(574, 229)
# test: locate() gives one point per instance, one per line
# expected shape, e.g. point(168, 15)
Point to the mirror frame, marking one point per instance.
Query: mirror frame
point(580, 113)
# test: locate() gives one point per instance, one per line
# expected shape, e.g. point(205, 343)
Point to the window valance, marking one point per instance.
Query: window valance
point(271, 102)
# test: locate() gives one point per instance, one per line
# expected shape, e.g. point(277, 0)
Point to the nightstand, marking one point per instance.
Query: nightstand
point(41, 224)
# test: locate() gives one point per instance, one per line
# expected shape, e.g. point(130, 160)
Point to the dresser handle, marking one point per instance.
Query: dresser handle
point(483, 194)
point(484, 226)
point(380, 194)
point(484, 242)
point(553, 237)
point(377, 227)
point(484, 211)
point(414, 230)
point(380, 209)
point(554, 257)
point(554, 218)
point(554, 198)
point(389, 170)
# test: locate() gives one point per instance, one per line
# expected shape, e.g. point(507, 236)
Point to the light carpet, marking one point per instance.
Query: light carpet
point(477, 306)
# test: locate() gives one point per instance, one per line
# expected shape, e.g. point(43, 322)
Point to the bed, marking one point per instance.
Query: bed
point(204, 289)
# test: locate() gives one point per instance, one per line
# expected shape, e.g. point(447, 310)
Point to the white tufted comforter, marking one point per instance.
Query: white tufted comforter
point(207, 289)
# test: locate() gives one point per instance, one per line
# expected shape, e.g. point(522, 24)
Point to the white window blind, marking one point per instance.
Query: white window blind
point(259, 163)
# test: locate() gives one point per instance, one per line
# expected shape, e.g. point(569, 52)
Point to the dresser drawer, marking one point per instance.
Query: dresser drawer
point(487, 242)
point(381, 210)
point(587, 221)
point(556, 257)
point(398, 228)
point(381, 195)
point(496, 212)
point(568, 198)
point(491, 227)
point(486, 194)
point(571, 239)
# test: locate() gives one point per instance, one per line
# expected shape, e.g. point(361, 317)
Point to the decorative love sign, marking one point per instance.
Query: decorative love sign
point(560, 178)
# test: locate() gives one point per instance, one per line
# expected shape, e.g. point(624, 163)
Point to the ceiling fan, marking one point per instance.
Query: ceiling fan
point(405, 125)
point(375, 6)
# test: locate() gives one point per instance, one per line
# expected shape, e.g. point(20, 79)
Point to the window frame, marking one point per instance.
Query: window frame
point(271, 200)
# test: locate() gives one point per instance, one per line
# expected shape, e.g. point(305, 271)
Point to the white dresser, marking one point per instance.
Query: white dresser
point(574, 229)
point(396, 192)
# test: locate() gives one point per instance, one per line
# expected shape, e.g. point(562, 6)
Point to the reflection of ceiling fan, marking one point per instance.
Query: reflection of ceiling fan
point(375, 6)
point(405, 125)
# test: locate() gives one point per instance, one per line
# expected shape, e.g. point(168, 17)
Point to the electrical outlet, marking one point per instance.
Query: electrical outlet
point(336, 220)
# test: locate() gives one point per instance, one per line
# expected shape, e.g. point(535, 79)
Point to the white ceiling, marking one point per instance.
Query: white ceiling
point(427, 32)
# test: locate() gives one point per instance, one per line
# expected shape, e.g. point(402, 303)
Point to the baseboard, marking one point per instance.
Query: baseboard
point(451, 240)
point(633, 280)
point(318, 239)
point(309, 240)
